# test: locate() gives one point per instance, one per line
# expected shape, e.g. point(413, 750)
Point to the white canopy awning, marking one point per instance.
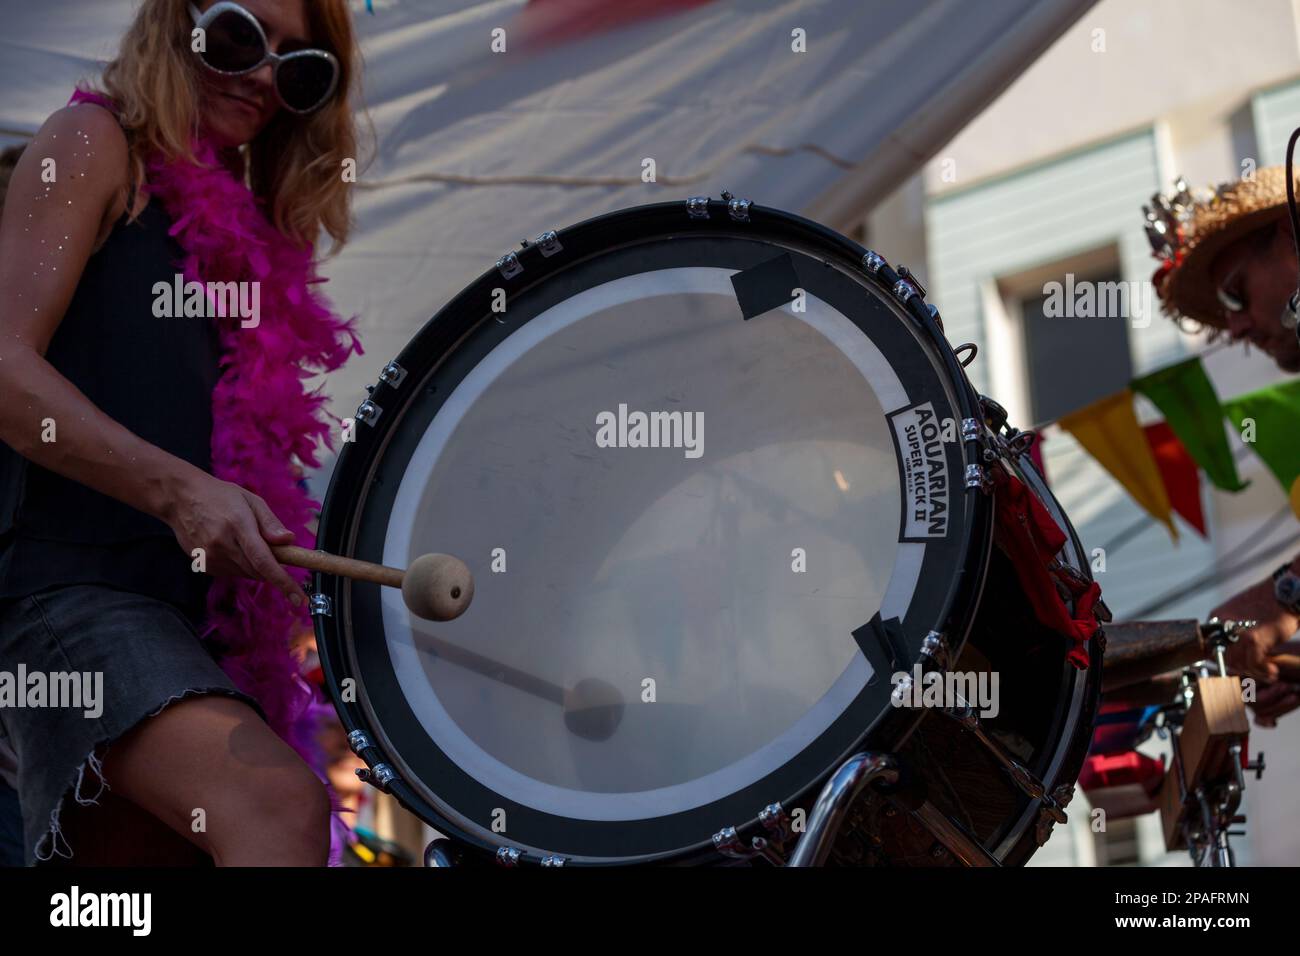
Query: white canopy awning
point(478, 150)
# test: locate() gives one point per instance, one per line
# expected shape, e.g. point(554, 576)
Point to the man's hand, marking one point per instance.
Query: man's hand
point(1274, 701)
point(1249, 655)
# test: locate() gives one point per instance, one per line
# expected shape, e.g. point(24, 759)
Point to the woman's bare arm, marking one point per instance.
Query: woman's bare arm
point(48, 232)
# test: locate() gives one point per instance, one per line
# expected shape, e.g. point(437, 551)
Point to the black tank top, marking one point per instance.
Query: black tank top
point(152, 375)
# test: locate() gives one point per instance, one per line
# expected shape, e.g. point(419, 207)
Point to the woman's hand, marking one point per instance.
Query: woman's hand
point(234, 528)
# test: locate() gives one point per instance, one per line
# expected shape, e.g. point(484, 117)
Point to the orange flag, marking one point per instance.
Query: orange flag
point(1109, 431)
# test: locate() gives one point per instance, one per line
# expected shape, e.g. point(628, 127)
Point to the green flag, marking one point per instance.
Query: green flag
point(1184, 394)
point(1269, 420)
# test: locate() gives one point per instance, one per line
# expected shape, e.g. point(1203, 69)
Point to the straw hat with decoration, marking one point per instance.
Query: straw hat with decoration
point(1187, 231)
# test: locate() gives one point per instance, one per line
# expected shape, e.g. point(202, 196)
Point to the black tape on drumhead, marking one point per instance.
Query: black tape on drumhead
point(766, 286)
point(882, 643)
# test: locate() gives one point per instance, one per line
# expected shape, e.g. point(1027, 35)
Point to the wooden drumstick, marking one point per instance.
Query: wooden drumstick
point(436, 587)
point(1287, 658)
point(1138, 651)
point(593, 708)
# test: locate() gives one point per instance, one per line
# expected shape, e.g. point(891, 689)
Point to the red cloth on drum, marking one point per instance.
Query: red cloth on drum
point(1031, 538)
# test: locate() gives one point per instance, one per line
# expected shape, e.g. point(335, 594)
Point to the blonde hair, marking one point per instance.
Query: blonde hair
point(294, 165)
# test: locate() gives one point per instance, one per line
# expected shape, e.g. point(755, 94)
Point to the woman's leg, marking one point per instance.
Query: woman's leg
point(261, 805)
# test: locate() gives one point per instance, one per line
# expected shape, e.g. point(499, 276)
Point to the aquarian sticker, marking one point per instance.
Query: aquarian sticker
point(923, 466)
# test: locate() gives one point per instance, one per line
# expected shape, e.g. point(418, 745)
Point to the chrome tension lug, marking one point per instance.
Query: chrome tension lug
point(737, 209)
point(509, 265)
point(904, 291)
point(727, 842)
point(776, 822)
point(934, 652)
point(380, 776)
point(908, 276)
point(873, 262)
point(978, 478)
point(393, 375)
point(549, 243)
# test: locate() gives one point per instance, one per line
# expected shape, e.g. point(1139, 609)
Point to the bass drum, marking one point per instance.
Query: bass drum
point(718, 476)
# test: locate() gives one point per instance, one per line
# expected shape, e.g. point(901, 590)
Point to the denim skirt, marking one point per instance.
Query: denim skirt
point(79, 667)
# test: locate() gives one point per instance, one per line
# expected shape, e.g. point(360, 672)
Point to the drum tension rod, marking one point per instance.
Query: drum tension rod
point(950, 834)
point(771, 848)
point(377, 772)
point(1031, 786)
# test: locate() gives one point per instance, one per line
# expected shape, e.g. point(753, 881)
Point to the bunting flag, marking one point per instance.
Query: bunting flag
point(1185, 396)
point(1160, 465)
point(1179, 472)
point(1269, 423)
point(1108, 429)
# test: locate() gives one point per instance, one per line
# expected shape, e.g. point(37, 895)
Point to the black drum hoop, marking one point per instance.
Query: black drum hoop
point(445, 347)
point(1077, 702)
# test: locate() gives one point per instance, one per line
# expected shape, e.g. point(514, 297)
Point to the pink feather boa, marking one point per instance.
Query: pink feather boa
point(262, 412)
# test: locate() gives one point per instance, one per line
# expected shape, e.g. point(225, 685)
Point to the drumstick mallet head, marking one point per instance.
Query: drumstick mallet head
point(593, 709)
point(437, 587)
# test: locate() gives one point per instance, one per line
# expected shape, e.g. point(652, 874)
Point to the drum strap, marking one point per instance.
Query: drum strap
point(1027, 533)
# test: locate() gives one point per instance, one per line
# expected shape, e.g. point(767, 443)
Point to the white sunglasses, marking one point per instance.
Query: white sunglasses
point(235, 44)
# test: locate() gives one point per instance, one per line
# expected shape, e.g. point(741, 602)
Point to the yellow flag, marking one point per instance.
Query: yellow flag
point(1109, 431)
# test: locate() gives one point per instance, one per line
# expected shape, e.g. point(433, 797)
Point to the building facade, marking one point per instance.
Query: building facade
point(1046, 186)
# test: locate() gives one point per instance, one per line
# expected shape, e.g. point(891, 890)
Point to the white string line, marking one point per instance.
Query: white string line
point(542, 179)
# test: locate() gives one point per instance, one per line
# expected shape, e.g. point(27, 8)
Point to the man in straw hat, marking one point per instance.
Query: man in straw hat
point(1229, 266)
point(1228, 262)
